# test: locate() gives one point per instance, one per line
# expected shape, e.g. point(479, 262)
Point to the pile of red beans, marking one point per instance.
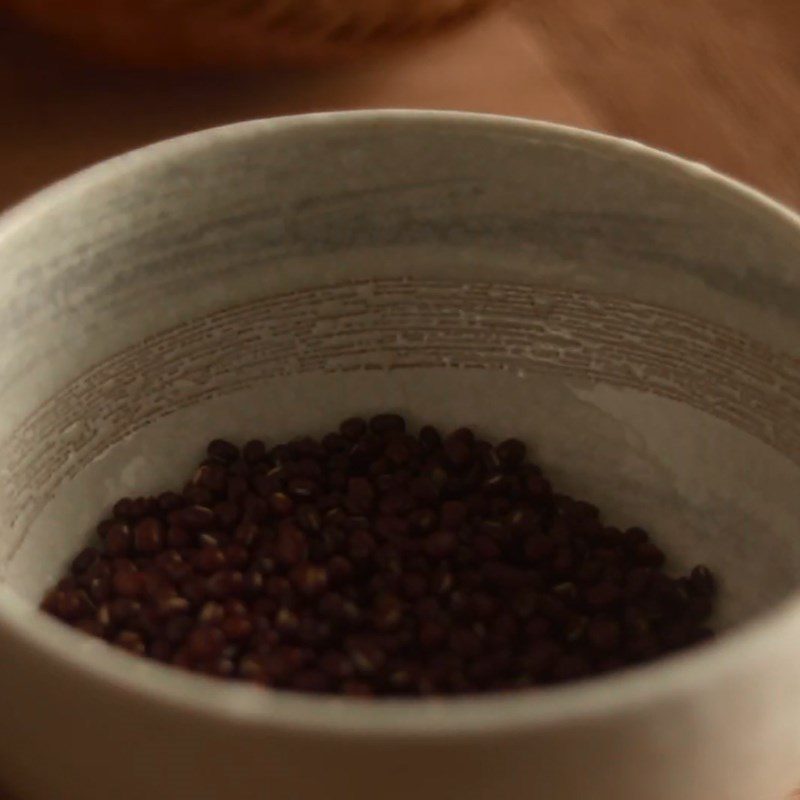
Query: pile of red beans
point(374, 561)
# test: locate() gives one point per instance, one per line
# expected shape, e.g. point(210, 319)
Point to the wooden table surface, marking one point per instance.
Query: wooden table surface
point(715, 80)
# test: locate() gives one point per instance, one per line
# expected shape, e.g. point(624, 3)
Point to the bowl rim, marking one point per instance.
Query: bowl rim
point(242, 704)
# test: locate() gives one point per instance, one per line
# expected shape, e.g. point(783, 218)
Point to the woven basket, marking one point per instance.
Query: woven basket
point(240, 32)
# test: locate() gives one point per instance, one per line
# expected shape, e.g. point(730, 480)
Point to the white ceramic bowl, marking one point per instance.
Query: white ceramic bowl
point(635, 316)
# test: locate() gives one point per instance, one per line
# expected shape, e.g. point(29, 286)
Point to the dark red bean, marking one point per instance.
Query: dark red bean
point(131, 641)
point(340, 570)
point(360, 495)
point(375, 562)
point(353, 428)
point(387, 423)
point(195, 518)
point(226, 513)
point(246, 534)
point(236, 555)
point(647, 554)
point(310, 579)
point(209, 559)
point(223, 450)
point(278, 587)
point(178, 537)
point(424, 490)
point(457, 451)
point(387, 613)
point(361, 545)
point(211, 476)
point(100, 589)
point(128, 584)
point(148, 535)
point(337, 666)
point(309, 518)
point(195, 495)
point(225, 583)
point(205, 642)
point(634, 537)
point(254, 451)
point(414, 585)
point(702, 581)
point(511, 452)
point(453, 514)
point(367, 656)
point(570, 668)
point(118, 539)
point(84, 560)
point(311, 680)
point(123, 509)
point(169, 501)
point(429, 438)
point(603, 595)
point(423, 520)
point(237, 488)
point(64, 603)
point(302, 488)
point(291, 546)
point(236, 628)
point(604, 634)
point(441, 544)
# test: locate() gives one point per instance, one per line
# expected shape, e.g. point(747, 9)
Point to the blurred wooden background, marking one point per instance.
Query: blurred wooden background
point(716, 80)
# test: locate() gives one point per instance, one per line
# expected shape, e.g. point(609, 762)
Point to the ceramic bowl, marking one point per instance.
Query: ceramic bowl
point(634, 316)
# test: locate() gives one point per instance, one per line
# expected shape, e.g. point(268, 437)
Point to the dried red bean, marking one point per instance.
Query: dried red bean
point(453, 514)
point(360, 495)
point(376, 562)
point(226, 513)
point(511, 452)
point(225, 583)
point(310, 579)
point(302, 488)
point(291, 546)
point(387, 423)
point(254, 451)
point(177, 537)
point(208, 559)
point(194, 518)
point(647, 554)
point(131, 641)
point(211, 476)
point(122, 509)
point(456, 451)
point(361, 545)
point(236, 628)
point(309, 518)
point(205, 642)
point(84, 560)
point(353, 428)
point(148, 535)
point(441, 544)
point(169, 501)
point(196, 495)
point(702, 581)
point(118, 539)
point(128, 584)
point(223, 450)
point(604, 634)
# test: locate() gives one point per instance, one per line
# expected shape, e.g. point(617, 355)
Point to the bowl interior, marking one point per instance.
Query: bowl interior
point(633, 319)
